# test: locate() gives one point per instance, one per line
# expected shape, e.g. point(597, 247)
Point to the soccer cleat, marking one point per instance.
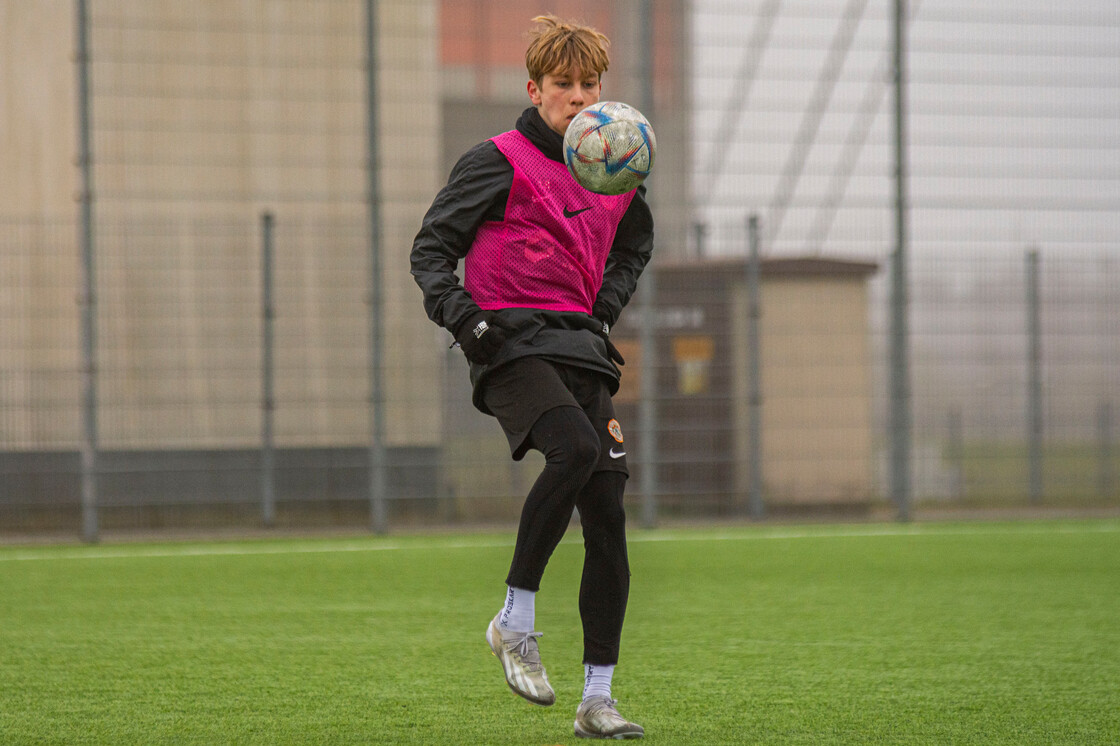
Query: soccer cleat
point(596, 717)
point(521, 661)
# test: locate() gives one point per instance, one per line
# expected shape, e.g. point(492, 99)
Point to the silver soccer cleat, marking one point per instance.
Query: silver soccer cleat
point(596, 717)
point(521, 662)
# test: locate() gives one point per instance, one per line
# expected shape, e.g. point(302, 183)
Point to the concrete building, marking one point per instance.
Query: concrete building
point(816, 384)
point(205, 116)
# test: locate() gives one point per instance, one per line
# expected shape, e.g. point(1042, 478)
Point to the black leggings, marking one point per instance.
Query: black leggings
point(571, 448)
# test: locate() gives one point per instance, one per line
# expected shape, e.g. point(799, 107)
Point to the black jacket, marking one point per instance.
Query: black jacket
point(477, 191)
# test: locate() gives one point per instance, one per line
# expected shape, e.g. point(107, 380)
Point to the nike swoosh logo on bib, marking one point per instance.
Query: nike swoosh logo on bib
point(572, 213)
point(620, 454)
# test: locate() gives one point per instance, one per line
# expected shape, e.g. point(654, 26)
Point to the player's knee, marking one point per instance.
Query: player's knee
point(585, 447)
point(578, 458)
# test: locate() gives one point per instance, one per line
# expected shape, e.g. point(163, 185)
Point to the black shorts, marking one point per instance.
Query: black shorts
point(520, 391)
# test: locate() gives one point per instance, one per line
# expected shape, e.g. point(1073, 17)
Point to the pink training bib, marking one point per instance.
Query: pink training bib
point(550, 250)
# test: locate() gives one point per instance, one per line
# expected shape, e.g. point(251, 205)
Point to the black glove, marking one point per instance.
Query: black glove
point(603, 329)
point(482, 335)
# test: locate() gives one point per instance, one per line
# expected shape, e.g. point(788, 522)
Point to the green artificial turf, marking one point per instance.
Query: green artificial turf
point(879, 634)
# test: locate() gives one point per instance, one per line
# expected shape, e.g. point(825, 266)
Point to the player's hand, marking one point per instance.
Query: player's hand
point(603, 329)
point(482, 335)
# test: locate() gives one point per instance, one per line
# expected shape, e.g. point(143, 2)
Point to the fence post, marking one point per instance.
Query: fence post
point(900, 417)
point(956, 451)
point(647, 293)
point(378, 478)
point(86, 298)
point(268, 402)
point(647, 403)
point(1034, 379)
point(754, 370)
point(1104, 448)
point(700, 232)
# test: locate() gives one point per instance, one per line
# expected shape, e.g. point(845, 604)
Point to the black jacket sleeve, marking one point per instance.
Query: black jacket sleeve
point(477, 191)
point(630, 252)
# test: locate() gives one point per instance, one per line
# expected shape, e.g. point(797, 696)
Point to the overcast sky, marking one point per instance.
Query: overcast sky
point(1014, 124)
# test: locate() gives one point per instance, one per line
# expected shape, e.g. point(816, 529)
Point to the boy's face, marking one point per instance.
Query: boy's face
point(563, 94)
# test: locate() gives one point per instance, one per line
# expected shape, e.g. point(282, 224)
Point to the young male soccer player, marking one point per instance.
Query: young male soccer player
point(549, 267)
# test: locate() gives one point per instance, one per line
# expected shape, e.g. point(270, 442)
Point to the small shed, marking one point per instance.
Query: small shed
point(815, 370)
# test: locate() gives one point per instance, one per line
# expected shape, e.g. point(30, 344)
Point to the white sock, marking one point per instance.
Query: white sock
point(597, 680)
point(519, 612)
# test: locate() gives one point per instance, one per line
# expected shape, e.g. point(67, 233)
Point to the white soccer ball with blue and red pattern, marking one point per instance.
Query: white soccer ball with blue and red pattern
point(609, 148)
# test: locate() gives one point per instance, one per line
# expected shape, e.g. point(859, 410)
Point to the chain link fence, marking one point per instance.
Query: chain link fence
point(235, 392)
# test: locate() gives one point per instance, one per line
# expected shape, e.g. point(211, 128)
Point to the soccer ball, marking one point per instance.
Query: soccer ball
point(609, 148)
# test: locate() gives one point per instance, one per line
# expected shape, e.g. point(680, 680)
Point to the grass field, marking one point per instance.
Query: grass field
point(875, 634)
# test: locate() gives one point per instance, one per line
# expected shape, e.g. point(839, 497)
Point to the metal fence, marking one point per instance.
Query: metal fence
point(233, 293)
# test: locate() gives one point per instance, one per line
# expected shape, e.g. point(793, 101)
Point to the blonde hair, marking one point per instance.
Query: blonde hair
point(558, 45)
